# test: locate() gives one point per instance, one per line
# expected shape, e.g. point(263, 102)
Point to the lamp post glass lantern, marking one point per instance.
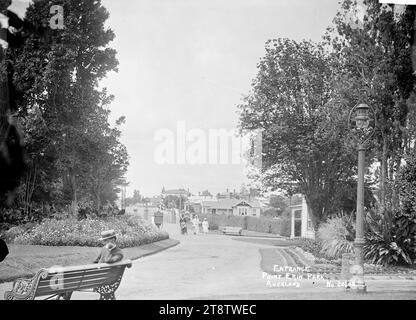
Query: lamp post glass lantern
point(362, 133)
point(362, 118)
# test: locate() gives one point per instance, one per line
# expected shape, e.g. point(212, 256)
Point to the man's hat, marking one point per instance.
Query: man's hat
point(108, 234)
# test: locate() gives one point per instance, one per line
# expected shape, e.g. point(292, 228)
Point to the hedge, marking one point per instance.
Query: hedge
point(279, 226)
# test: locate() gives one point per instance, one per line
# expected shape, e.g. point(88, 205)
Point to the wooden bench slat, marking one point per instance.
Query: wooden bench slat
point(72, 286)
point(95, 266)
point(69, 281)
point(84, 270)
point(83, 273)
point(79, 275)
point(64, 277)
point(88, 271)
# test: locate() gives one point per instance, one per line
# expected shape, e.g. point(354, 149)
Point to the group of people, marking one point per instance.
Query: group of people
point(195, 224)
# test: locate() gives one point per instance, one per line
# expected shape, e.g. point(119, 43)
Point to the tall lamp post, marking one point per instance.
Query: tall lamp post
point(361, 122)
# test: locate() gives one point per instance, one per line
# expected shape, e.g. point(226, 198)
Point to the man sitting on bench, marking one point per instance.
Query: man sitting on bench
point(110, 253)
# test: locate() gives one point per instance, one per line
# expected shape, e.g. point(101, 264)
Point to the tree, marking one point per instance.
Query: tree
point(172, 201)
point(279, 203)
point(376, 66)
point(243, 191)
point(407, 186)
point(107, 165)
point(303, 128)
point(70, 143)
point(137, 198)
point(12, 164)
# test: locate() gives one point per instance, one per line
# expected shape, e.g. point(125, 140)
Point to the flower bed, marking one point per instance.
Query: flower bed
point(131, 231)
point(307, 255)
point(313, 246)
point(324, 264)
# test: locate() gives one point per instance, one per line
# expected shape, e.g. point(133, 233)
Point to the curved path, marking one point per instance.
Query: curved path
point(201, 265)
point(217, 267)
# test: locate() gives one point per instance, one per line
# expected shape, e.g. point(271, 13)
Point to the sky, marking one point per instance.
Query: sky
point(191, 62)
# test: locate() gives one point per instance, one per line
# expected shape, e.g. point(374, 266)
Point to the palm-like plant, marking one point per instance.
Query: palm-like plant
point(385, 239)
point(337, 235)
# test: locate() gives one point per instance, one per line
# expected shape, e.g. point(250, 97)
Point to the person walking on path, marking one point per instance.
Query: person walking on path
point(195, 222)
point(182, 224)
point(205, 226)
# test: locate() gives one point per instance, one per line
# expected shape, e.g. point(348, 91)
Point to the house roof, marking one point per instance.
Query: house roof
point(228, 204)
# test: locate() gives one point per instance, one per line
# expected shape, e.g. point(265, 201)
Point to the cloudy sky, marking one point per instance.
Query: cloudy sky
point(193, 61)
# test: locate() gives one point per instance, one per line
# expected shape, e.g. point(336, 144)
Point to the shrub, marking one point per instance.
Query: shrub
point(260, 224)
point(312, 246)
point(285, 226)
point(131, 231)
point(12, 233)
point(271, 212)
point(213, 226)
point(405, 231)
point(223, 220)
point(406, 184)
point(264, 224)
point(335, 237)
point(390, 238)
point(21, 215)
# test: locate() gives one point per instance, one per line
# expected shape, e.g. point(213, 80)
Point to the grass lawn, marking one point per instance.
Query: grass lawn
point(26, 260)
point(272, 241)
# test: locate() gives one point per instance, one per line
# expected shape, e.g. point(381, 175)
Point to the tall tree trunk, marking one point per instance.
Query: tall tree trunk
point(390, 183)
point(395, 194)
point(383, 175)
point(74, 204)
point(98, 199)
point(29, 187)
point(314, 212)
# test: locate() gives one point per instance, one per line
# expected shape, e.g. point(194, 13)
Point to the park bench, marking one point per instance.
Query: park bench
point(232, 230)
point(61, 282)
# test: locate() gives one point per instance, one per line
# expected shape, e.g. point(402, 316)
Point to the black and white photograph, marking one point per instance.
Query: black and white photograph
point(224, 151)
